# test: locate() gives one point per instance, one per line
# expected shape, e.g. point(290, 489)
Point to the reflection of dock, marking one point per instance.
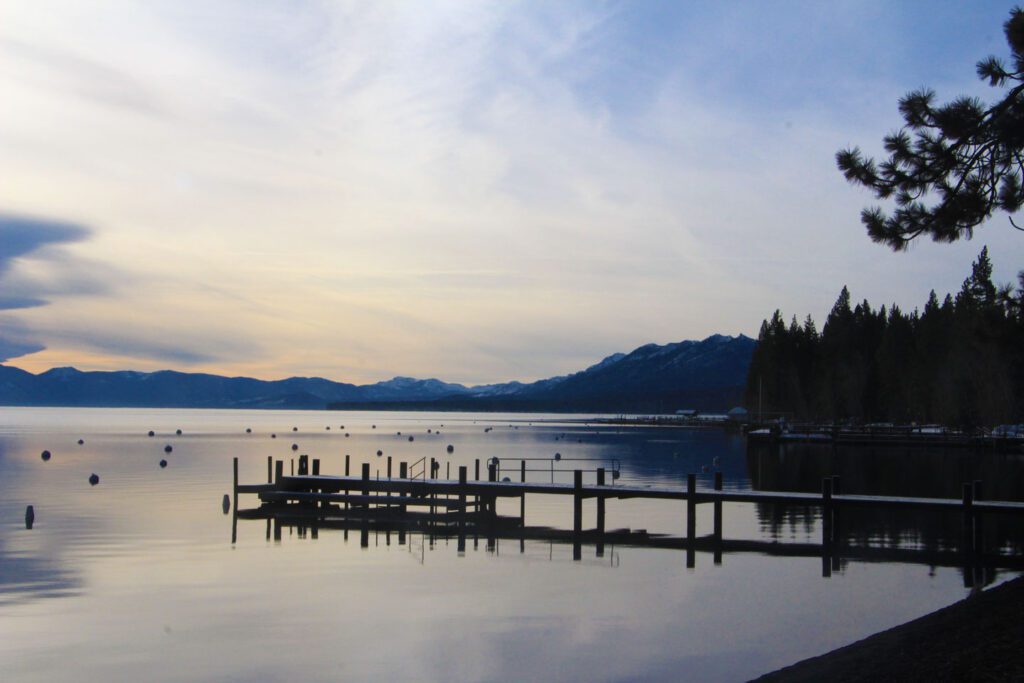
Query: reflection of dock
point(464, 507)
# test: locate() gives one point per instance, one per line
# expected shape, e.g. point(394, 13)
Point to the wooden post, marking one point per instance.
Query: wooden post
point(492, 476)
point(432, 469)
point(303, 465)
point(366, 481)
point(278, 471)
point(476, 471)
point(234, 501)
point(968, 531)
point(522, 498)
point(462, 508)
point(270, 469)
point(718, 521)
point(346, 464)
point(389, 467)
point(292, 470)
point(316, 467)
point(826, 527)
point(577, 502)
point(403, 473)
point(600, 502)
point(979, 536)
point(691, 507)
point(448, 471)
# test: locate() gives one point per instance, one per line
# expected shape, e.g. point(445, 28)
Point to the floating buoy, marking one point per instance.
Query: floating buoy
point(558, 456)
point(410, 438)
point(295, 429)
point(152, 433)
point(615, 474)
point(178, 432)
point(451, 448)
point(81, 441)
point(373, 427)
point(398, 433)
point(341, 427)
point(428, 431)
point(506, 479)
point(94, 479)
point(295, 446)
point(167, 448)
point(225, 503)
point(328, 428)
point(45, 455)
point(248, 430)
point(30, 517)
point(346, 435)
point(273, 436)
point(163, 463)
point(380, 453)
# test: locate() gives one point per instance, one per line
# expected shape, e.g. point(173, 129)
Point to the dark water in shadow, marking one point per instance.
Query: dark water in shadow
point(137, 579)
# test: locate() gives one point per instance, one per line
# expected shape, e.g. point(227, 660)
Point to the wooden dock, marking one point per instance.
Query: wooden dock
point(464, 505)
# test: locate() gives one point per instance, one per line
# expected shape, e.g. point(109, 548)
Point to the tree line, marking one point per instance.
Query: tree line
point(959, 361)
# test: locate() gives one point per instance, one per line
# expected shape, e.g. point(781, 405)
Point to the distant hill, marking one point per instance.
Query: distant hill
point(706, 375)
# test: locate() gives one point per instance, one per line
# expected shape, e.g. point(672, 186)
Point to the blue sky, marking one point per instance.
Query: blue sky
point(473, 191)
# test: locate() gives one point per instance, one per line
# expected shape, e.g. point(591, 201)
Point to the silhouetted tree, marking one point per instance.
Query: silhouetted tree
point(964, 155)
point(959, 362)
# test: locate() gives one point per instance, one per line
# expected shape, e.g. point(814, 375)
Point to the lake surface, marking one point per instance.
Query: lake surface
point(136, 578)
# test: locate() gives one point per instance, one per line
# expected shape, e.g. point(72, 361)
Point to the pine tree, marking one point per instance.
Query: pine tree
point(966, 157)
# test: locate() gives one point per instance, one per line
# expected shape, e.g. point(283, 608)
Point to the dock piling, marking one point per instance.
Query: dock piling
point(577, 502)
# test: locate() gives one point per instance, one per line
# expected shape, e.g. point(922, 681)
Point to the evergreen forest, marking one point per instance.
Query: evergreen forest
point(959, 361)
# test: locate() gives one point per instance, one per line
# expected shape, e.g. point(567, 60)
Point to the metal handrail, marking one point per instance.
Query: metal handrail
point(422, 462)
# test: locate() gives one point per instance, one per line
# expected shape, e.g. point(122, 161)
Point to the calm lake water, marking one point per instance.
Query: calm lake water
point(137, 578)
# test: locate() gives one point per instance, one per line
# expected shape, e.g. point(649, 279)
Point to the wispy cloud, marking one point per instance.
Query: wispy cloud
point(477, 191)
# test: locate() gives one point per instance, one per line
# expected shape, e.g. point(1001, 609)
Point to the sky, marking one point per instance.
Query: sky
point(473, 191)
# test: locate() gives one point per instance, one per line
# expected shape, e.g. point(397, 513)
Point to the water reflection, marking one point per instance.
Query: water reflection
point(153, 590)
point(984, 542)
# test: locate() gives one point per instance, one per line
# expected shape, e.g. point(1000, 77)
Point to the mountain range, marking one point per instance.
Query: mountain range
point(706, 375)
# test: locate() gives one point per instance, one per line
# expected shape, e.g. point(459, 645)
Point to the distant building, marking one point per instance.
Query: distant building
point(739, 414)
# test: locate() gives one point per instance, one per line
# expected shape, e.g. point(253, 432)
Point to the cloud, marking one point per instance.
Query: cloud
point(15, 339)
point(479, 191)
point(20, 237)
